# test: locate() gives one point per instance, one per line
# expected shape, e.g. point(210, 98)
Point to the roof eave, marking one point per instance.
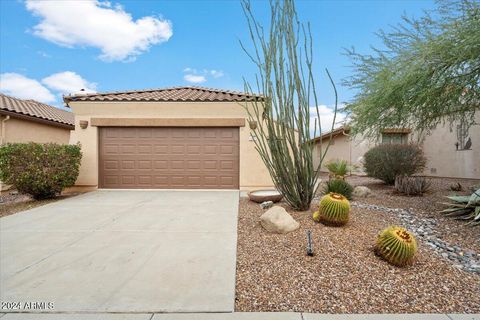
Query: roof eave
point(28, 117)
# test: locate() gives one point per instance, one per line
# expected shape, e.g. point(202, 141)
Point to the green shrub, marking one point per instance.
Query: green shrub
point(40, 170)
point(338, 168)
point(412, 186)
point(339, 186)
point(387, 161)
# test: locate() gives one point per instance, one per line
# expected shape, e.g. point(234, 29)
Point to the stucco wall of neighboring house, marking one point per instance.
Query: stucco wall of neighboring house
point(443, 158)
point(19, 130)
point(439, 148)
point(253, 173)
point(343, 147)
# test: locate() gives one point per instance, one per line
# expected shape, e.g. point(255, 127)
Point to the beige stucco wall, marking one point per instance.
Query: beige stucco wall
point(443, 160)
point(344, 147)
point(19, 130)
point(253, 173)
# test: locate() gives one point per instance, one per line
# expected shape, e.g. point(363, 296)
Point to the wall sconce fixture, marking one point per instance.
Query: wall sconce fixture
point(83, 124)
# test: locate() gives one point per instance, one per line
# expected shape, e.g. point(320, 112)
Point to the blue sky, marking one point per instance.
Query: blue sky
point(51, 48)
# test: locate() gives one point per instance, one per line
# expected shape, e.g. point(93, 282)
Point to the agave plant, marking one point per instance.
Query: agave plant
point(465, 207)
point(339, 186)
point(338, 168)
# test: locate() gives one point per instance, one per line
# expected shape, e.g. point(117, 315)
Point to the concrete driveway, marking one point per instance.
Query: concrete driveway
point(123, 251)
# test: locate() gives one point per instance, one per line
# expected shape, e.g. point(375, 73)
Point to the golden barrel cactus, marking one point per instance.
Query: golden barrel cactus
point(396, 245)
point(334, 209)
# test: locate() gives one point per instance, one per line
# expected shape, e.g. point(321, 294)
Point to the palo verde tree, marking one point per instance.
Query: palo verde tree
point(428, 72)
point(282, 137)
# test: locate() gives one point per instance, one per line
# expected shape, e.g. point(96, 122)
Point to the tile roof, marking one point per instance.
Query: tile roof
point(344, 129)
point(35, 109)
point(174, 94)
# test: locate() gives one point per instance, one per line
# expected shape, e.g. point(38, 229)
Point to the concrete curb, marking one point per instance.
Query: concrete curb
point(233, 316)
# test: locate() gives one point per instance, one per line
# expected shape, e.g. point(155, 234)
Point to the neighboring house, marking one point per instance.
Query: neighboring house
point(450, 151)
point(342, 146)
point(173, 138)
point(32, 121)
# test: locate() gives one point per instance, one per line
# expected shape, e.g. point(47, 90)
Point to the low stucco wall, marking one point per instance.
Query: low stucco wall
point(253, 173)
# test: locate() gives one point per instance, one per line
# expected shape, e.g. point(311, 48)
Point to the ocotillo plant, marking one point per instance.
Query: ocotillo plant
point(285, 80)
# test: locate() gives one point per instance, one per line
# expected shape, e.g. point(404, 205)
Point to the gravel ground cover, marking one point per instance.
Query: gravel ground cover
point(345, 276)
point(427, 206)
point(12, 202)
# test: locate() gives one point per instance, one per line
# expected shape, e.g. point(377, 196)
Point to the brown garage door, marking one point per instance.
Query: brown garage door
point(168, 158)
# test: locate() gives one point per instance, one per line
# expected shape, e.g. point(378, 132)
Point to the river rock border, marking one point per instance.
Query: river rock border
point(424, 229)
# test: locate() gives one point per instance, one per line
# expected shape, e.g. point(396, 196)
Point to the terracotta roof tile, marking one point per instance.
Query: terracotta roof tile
point(35, 109)
point(175, 94)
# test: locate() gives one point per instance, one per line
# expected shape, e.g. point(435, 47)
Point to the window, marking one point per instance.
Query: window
point(394, 137)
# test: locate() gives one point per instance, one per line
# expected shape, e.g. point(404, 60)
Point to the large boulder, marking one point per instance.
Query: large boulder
point(361, 192)
point(278, 220)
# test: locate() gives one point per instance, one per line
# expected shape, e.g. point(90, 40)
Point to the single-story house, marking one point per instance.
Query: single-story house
point(451, 151)
point(33, 121)
point(172, 138)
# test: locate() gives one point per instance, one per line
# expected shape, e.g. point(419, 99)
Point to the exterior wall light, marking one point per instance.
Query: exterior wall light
point(83, 124)
point(252, 124)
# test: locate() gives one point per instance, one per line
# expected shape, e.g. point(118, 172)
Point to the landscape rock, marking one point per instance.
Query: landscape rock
point(278, 220)
point(361, 192)
point(266, 204)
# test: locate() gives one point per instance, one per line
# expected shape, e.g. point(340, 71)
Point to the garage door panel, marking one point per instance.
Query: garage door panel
point(169, 158)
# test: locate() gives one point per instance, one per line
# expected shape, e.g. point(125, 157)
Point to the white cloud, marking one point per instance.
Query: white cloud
point(194, 78)
point(326, 118)
point(45, 91)
point(216, 73)
point(98, 24)
point(21, 87)
point(68, 82)
point(43, 54)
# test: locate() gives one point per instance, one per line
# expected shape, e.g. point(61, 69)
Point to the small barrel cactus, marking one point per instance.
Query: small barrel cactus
point(334, 209)
point(396, 245)
point(316, 216)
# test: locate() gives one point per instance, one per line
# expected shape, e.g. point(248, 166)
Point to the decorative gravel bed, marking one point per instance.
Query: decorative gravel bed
point(424, 229)
point(452, 231)
point(275, 274)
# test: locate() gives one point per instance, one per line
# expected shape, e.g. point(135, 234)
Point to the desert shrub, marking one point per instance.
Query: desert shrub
point(386, 161)
point(339, 186)
point(338, 168)
point(412, 186)
point(40, 170)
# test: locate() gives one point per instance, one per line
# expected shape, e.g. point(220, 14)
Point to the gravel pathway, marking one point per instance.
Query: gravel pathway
point(344, 276)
